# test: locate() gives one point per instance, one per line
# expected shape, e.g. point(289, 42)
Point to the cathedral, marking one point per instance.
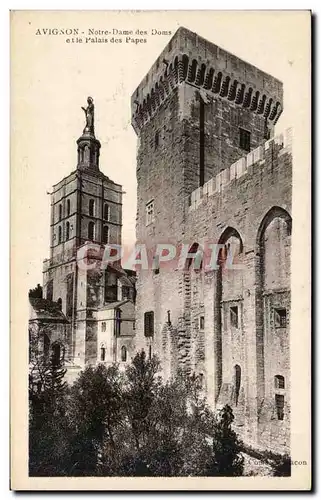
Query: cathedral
point(87, 313)
point(210, 172)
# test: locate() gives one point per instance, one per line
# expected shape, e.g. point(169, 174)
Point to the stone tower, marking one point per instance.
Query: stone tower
point(208, 171)
point(86, 207)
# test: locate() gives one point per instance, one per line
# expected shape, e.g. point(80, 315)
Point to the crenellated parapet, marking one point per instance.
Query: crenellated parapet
point(192, 60)
point(256, 157)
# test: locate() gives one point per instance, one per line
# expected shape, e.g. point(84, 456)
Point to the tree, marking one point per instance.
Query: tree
point(48, 425)
point(95, 414)
point(36, 293)
point(111, 423)
point(282, 466)
point(141, 390)
point(168, 421)
point(177, 447)
point(227, 459)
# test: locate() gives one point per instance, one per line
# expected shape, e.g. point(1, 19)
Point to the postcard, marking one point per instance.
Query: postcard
point(160, 250)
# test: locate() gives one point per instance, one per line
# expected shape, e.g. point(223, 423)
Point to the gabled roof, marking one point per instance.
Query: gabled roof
point(114, 305)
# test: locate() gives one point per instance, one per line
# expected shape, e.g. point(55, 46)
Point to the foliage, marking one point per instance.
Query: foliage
point(226, 460)
point(36, 293)
point(48, 426)
point(128, 423)
point(281, 464)
point(95, 413)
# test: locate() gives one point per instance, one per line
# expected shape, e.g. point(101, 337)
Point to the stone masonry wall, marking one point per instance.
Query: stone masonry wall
point(243, 204)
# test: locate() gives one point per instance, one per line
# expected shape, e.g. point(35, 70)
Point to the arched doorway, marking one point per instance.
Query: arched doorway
point(273, 249)
point(227, 312)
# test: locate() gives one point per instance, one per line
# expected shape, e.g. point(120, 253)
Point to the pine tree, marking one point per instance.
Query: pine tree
point(95, 415)
point(141, 390)
point(48, 426)
point(227, 459)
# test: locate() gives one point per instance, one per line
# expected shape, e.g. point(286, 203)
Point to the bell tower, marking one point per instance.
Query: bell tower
point(86, 208)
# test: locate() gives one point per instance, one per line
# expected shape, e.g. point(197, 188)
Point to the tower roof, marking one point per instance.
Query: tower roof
point(191, 58)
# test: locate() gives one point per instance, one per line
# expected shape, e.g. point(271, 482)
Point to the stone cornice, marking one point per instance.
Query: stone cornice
point(210, 80)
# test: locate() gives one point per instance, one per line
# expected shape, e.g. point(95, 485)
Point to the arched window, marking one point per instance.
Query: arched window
point(105, 234)
point(59, 302)
point(103, 326)
point(225, 87)
point(185, 66)
point(60, 212)
point(106, 211)
point(176, 68)
point(233, 247)
point(275, 110)
point(261, 105)
point(232, 91)
point(273, 267)
point(91, 207)
point(123, 353)
point(91, 230)
point(268, 108)
point(68, 207)
point(56, 355)
point(217, 83)
point(209, 79)
point(202, 74)
point(46, 345)
point(59, 234)
point(193, 68)
point(240, 94)
point(255, 101)
point(279, 382)
point(67, 230)
point(248, 98)
point(237, 382)
point(102, 353)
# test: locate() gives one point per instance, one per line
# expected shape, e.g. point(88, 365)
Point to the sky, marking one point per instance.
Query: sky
point(51, 79)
